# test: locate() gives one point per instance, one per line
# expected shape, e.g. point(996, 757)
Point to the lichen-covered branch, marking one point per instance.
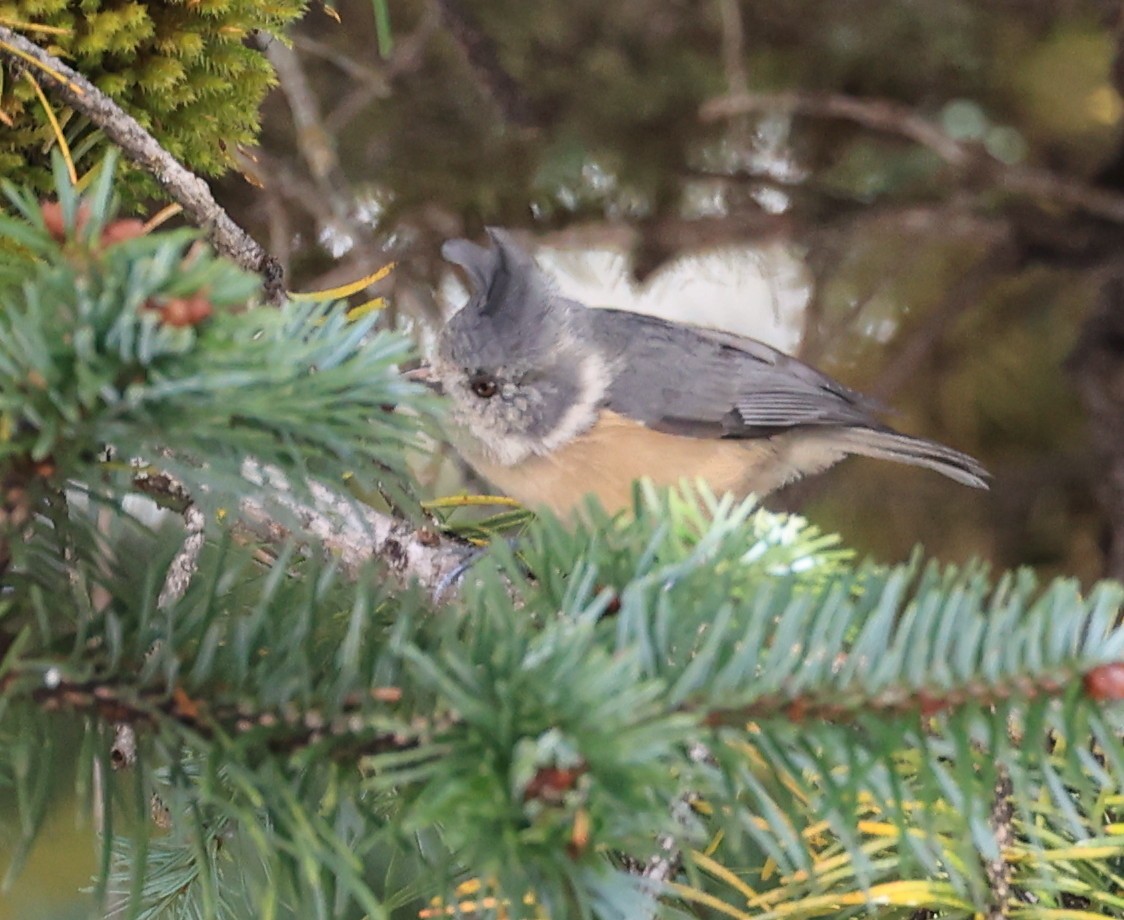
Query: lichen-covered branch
point(356, 534)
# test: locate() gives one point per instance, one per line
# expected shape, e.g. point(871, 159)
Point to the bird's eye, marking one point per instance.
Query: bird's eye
point(484, 386)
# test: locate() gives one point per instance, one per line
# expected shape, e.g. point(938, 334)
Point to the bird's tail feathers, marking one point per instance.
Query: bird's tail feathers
point(884, 444)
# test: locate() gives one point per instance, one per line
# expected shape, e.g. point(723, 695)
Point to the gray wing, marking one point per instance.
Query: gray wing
point(695, 382)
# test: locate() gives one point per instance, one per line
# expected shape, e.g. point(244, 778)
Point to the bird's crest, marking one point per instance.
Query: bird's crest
point(506, 281)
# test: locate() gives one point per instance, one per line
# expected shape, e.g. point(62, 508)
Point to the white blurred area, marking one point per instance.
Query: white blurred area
point(761, 293)
point(757, 293)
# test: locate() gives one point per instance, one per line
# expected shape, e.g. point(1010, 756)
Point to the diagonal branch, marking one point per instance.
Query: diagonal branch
point(483, 57)
point(184, 187)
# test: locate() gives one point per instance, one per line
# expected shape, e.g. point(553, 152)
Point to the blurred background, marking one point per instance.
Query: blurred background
point(925, 199)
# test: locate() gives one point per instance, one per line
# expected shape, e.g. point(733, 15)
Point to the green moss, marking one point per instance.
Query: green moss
point(180, 68)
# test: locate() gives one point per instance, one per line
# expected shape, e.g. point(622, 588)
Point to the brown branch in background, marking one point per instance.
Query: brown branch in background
point(186, 188)
point(893, 118)
point(366, 83)
point(876, 114)
point(325, 194)
point(280, 227)
point(281, 179)
point(733, 46)
point(313, 140)
point(484, 59)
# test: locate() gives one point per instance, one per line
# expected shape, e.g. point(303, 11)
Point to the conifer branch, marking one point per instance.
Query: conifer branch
point(348, 733)
point(186, 188)
point(842, 707)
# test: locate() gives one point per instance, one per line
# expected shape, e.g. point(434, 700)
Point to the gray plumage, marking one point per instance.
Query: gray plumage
point(741, 388)
point(530, 372)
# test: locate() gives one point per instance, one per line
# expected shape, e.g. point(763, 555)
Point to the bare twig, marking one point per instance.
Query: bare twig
point(354, 534)
point(186, 188)
point(186, 561)
point(313, 141)
point(890, 117)
point(177, 579)
point(172, 492)
point(325, 193)
point(733, 46)
point(364, 82)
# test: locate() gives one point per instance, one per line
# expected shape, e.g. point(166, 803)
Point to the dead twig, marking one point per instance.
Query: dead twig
point(183, 566)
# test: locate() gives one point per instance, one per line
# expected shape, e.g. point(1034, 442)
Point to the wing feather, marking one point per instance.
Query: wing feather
point(673, 377)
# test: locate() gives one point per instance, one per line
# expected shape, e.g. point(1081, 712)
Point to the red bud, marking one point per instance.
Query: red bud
point(1106, 682)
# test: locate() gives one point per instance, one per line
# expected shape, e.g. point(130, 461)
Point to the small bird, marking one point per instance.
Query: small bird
point(553, 400)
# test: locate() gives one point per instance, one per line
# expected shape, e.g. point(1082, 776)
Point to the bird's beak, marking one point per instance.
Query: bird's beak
point(424, 374)
point(421, 374)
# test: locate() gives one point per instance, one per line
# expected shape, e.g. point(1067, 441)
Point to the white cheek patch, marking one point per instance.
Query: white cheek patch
point(496, 443)
point(479, 431)
point(486, 434)
point(594, 377)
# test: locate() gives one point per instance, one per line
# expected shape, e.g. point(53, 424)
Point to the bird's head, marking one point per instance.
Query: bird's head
point(516, 360)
